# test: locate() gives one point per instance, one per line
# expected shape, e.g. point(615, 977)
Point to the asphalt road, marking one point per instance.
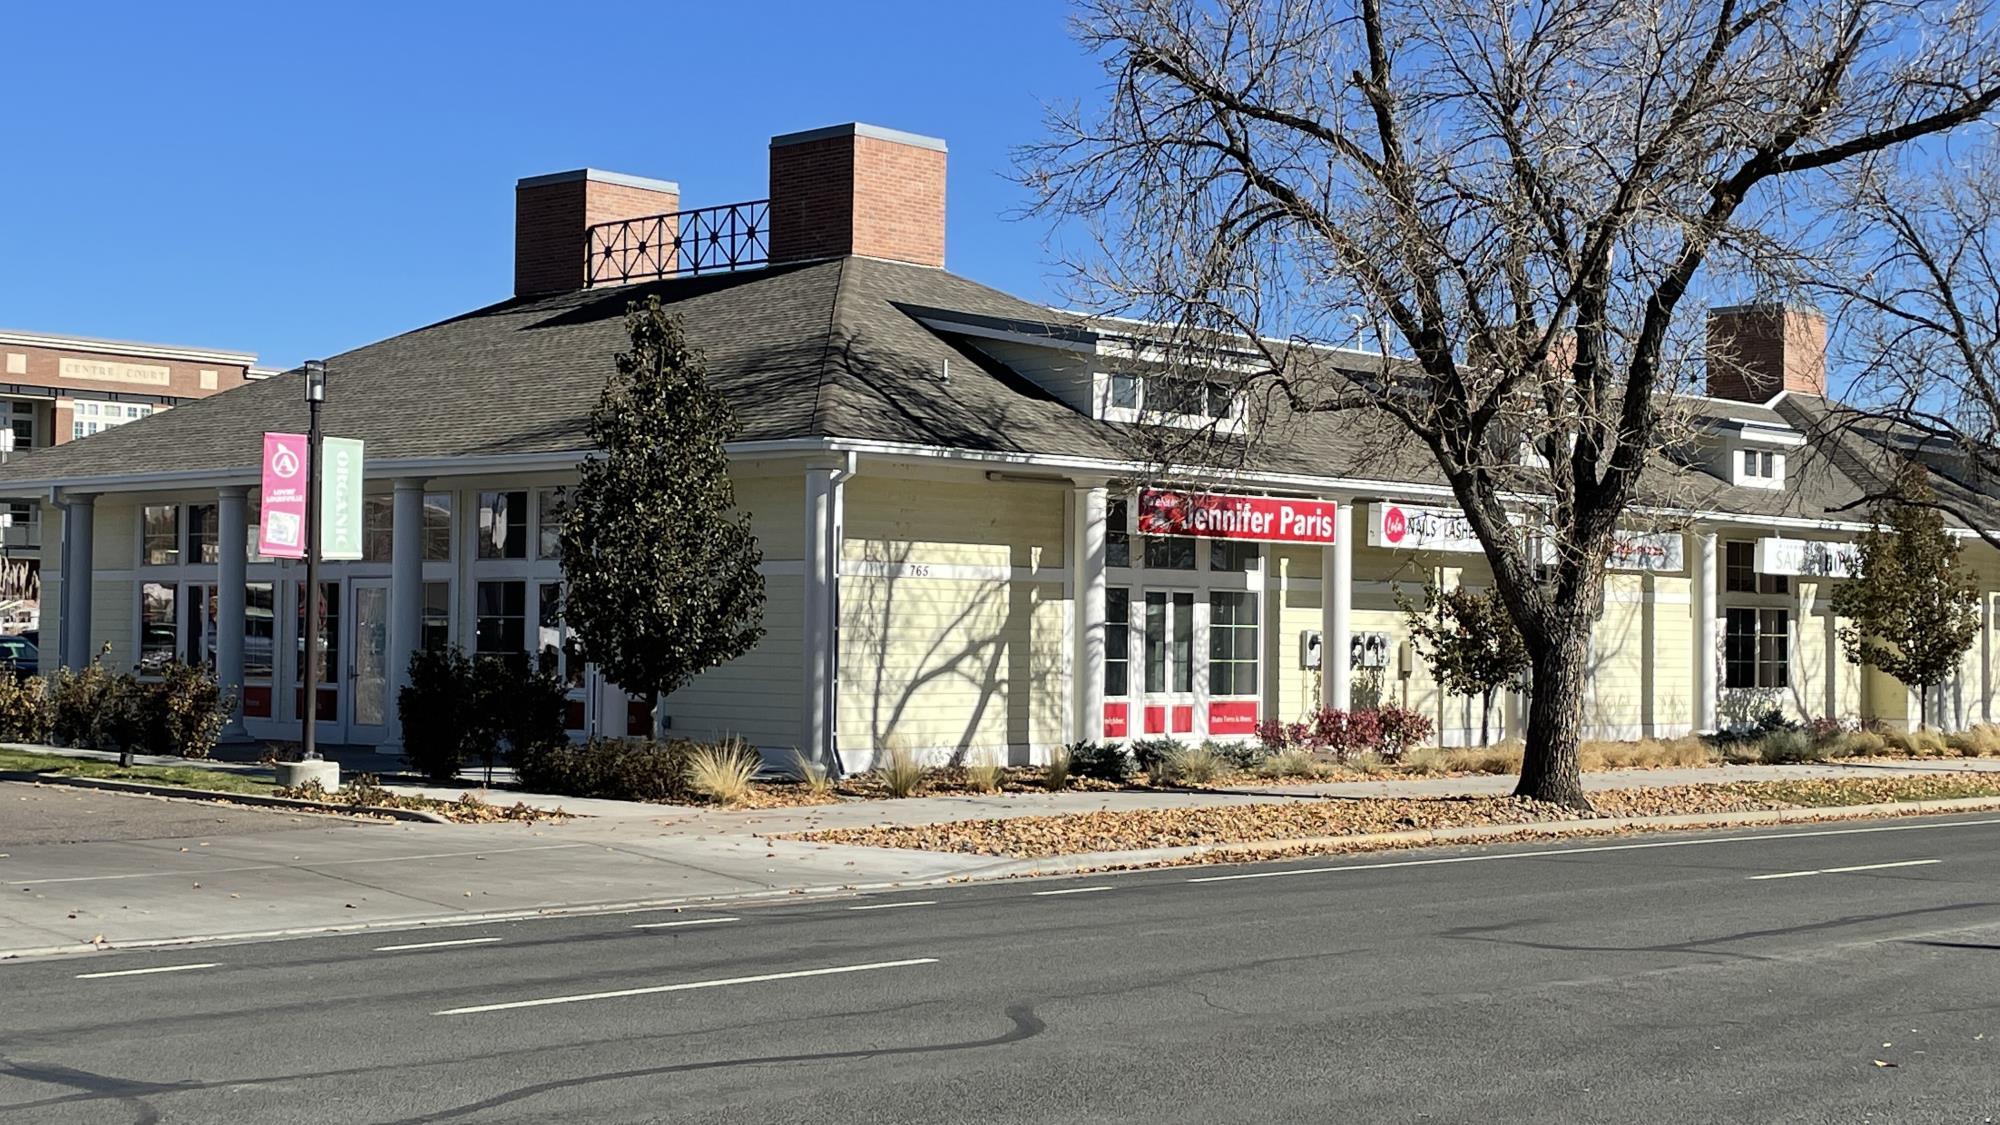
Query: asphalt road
point(1743, 977)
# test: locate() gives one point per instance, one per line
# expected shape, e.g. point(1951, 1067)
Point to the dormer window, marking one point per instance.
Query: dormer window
point(1759, 468)
point(1169, 400)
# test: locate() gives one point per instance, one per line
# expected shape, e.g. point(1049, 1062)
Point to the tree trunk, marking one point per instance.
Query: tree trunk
point(1486, 718)
point(1923, 706)
point(1550, 768)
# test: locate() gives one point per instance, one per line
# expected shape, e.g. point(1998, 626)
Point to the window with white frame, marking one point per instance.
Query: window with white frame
point(1739, 571)
point(160, 535)
point(1170, 400)
point(1759, 468)
point(91, 416)
point(503, 525)
point(1232, 643)
point(22, 418)
point(1117, 533)
point(500, 630)
point(1117, 642)
point(1756, 647)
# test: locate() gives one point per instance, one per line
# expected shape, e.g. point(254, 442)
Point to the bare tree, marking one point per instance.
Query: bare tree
point(1920, 327)
point(1519, 198)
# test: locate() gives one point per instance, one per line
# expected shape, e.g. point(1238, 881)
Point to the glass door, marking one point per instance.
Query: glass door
point(332, 654)
point(1168, 629)
point(368, 672)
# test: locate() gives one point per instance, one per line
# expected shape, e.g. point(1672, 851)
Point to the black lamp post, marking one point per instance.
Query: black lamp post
point(315, 395)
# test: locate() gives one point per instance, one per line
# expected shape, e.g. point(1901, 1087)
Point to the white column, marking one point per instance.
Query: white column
point(1704, 630)
point(232, 560)
point(819, 638)
point(79, 527)
point(1087, 588)
point(406, 596)
point(1336, 613)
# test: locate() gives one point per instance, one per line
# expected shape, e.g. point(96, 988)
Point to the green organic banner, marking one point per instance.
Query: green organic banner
point(340, 498)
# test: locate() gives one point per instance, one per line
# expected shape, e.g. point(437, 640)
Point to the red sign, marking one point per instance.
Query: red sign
point(283, 502)
point(1210, 515)
point(1115, 720)
point(1236, 717)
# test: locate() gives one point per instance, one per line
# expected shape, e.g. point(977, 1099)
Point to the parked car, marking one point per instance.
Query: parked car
point(21, 655)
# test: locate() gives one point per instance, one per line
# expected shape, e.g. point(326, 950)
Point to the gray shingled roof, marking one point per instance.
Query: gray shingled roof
point(826, 349)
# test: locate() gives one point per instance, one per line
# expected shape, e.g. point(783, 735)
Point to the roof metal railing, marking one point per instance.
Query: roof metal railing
point(733, 236)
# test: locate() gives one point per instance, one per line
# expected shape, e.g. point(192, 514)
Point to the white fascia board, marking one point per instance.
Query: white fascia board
point(1030, 339)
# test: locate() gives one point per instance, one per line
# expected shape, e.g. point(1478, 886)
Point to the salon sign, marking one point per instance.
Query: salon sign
point(1809, 558)
point(1416, 527)
point(1262, 519)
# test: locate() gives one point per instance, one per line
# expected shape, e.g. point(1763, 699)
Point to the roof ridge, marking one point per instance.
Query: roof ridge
point(813, 420)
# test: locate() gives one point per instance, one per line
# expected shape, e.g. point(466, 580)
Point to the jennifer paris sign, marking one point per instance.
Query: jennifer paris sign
point(1211, 516)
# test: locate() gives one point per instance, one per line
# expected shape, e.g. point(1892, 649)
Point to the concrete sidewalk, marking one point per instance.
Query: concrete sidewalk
point(289, 873)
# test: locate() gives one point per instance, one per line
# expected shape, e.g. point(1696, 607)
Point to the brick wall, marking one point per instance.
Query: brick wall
point(552, 214)
point(855, 189)
point(1756, 351)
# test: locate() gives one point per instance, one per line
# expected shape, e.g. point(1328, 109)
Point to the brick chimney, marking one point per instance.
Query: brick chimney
point(552, 212)
point(857, 189)
point(1755, 351)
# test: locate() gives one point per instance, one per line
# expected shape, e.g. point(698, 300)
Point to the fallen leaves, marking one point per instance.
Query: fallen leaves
point(1032, 837)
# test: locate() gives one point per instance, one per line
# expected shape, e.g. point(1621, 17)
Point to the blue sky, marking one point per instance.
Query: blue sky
point(295, 180)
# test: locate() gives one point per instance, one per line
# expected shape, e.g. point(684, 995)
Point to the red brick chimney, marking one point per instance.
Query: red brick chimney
point(1755, 351)
point(857, 189)
point(552, 212)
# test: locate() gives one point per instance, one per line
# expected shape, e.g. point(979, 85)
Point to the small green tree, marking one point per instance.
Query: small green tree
point(662, 571)
point(1911, 610)
point(1470, 642)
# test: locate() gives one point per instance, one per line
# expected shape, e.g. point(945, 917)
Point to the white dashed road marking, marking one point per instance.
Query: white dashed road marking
point(689, 986)
point(147, 972)
point(434, 944)
point(1845, 870)
point(683, 922)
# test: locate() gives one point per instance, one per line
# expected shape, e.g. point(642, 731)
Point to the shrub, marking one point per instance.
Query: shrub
point(124, 714)
point(1296, 762)
point(1783, 746)
point(811, 774)
point(1188, 765)
point(1148, 752)
point(901, 770)
point(185, 711)
point(1275, 737)
point(1399, 731)
point(1864, 744)
point(1105, 761)
point(1056, 771)
point(612, 768)
point(1239, 755)
point(440, 712)
point(24, 714)
point(1825, 731)
point(525, 704)
point(74, 701)
point(982, 773)
point(723, 772)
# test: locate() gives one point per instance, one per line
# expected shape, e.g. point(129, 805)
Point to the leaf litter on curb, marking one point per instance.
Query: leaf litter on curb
point(1034, 837)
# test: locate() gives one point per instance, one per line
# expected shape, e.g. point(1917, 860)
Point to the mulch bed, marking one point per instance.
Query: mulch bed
point(1034, 837)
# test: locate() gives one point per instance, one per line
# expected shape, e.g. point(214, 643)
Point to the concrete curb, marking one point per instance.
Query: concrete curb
point(1473, 834)
point(151, 789)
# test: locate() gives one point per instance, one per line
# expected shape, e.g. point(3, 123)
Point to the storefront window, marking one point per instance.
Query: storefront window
point(253, 518)
point(555, 643)
point(160, 545)
point(378, 514)
point(502, 627)
point(202, 615)
point(437, 616)
point(503, 525)
point(1739, 571)
point(329, 631)
point(1169, 552)
point(1232, 643)
point(260, 621)
point(203, 542)
point(1117, 534)
point(1169, 641)
point(437, 527)
point(548, 523)
point(159, 613)
point(1117, 641)
point(1756, 648)
point(1225, 555)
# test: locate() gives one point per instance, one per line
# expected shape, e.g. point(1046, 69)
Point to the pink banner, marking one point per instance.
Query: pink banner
point(283, 531)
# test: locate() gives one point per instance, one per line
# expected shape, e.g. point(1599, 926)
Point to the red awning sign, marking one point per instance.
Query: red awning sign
point(1209, 515)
